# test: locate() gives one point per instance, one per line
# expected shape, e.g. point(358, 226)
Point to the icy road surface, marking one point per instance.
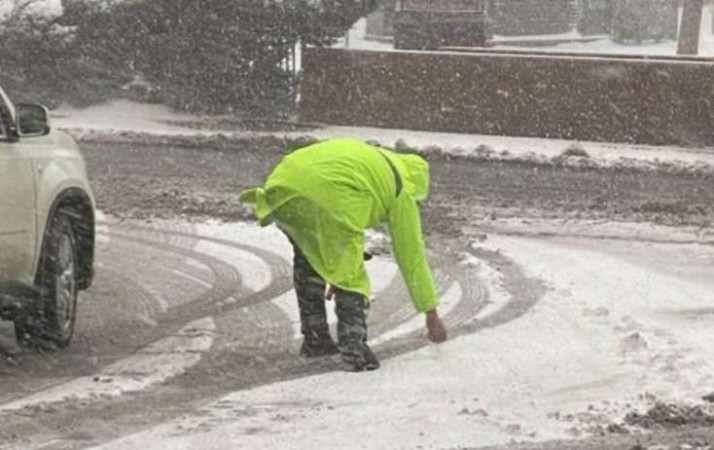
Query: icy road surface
point(551, 337)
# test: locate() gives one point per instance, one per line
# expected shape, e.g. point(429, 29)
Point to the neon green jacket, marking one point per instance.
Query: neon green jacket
point(325, 195)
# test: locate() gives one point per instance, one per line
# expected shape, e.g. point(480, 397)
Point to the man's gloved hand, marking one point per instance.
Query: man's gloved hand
point(366, 256)
point(436, 332)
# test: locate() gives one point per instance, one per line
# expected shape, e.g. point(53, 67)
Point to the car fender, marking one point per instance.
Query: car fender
point(60, 174)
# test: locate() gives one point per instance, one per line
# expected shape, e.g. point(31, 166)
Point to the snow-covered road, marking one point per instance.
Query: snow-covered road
point(615, 327)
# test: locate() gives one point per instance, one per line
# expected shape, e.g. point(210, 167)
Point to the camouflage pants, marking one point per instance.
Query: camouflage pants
point(350, 308)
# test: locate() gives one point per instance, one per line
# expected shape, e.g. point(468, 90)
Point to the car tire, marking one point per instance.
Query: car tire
point(49, 321)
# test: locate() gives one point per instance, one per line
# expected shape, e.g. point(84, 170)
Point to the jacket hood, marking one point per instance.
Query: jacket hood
point(416, 175)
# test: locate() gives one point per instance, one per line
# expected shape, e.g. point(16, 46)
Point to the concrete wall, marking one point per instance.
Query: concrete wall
point(598, 98)
point(528, 17)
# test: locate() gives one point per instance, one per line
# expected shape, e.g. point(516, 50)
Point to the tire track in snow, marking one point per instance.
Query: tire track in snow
point(255, 341)
point(280, 269)
point(483, 303)
point(222, 279)
point(149, 366)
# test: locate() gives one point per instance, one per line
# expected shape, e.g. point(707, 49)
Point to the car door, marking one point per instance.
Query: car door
point(17, 209)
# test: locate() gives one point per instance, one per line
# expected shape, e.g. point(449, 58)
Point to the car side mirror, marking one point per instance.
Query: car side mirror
point(32, 120)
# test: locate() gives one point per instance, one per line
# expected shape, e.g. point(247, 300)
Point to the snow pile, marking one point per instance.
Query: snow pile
point(672, 416)
point(17, 9)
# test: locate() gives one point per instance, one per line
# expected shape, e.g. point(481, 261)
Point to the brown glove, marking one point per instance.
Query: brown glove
point(436, 332)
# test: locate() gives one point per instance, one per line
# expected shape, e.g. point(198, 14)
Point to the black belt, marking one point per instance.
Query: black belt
point(395, 172)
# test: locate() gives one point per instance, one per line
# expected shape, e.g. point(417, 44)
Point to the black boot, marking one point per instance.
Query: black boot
point(366, 361)
point(370, 360)
point(314, 346)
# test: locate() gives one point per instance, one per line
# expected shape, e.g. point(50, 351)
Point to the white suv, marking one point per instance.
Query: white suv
point(46, 226)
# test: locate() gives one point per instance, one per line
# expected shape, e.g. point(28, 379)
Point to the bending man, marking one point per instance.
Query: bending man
point(323, 197)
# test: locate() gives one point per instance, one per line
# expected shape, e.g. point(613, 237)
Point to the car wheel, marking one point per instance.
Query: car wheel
point(49, 322)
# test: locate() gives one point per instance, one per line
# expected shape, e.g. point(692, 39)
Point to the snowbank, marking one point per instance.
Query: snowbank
point(127, 121)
